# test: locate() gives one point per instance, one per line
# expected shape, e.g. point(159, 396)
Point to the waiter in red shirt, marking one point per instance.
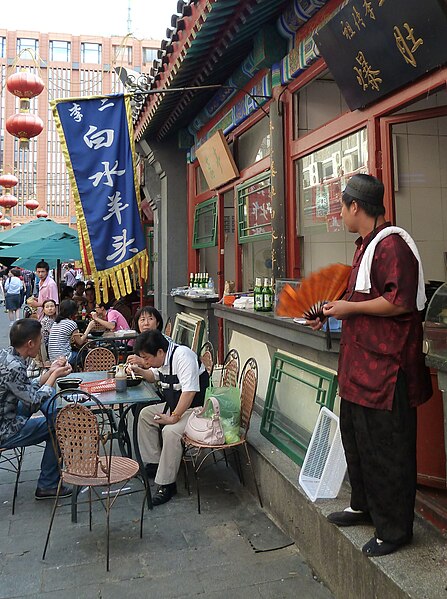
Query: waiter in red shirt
point(382, 373)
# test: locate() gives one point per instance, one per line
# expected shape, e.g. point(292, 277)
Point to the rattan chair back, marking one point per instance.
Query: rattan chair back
point(99, 358)
point(248, 387)
point(77, 433)
point(230, 369)
point(206, 355)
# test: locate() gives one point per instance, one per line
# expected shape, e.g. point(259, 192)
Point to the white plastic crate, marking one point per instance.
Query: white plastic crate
point(324, 466)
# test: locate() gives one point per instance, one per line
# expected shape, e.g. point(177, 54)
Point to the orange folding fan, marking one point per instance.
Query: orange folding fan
point(319, 288)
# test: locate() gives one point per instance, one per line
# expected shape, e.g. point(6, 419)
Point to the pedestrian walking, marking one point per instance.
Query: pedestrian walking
point(14, 295)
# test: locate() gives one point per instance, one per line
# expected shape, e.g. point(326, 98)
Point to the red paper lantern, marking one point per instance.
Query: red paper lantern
point(24, 84)
point(24, 126)
point(31, 204)
point(7, 180)
point(42, 214)
point(7, 200)
point(5, 222)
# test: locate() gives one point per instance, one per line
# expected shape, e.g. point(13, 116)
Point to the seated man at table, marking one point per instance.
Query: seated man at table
point(20, 397)
point(110, 319)
point(183, 381)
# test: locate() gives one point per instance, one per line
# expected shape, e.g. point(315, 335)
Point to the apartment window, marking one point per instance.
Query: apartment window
point(91, 53)
point(2, 47)
point(122, 54)
point(149, 54)
point(27, 46)
point(60, 51)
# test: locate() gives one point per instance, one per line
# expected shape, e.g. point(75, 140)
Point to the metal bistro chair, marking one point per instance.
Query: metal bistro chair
point(230, 369)
point(206, 355)
point(11, 461)
point(99, 358)
point(86, 456)
point(199, 453)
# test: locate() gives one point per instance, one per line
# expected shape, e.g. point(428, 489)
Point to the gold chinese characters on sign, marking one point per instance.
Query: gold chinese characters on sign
point(216, 161)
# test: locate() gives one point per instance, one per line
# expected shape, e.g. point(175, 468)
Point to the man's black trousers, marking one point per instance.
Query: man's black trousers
point(380, 448)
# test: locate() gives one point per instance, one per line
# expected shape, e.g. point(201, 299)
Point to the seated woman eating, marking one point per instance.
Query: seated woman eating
point(65, 335)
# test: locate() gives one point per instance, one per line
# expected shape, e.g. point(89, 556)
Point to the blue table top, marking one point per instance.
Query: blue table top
point(142, 393)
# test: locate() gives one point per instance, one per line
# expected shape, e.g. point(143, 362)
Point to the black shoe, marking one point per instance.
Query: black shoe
point(164, 494)
point(151, 470)
point(376, 547)
point(51, 493)
point(347, 518)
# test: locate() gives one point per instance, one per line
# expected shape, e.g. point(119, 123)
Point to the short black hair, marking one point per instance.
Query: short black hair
point(80, 283)
point(150, 342)
point(24, 330)
point(43, 264)
point(152, 312)
point(372, 210)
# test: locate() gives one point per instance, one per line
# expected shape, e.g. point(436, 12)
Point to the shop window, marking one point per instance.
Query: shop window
point(254, 208)
point(321, 178)
point(254, 144)
point(59, 51)
point(297, 390)
point(205, 224)
point(256, 262)
point(317, 104)
point(91, 53)
point(201, 184)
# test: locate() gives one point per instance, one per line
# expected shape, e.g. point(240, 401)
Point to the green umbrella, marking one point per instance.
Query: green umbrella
point(51, 249)
point(35, 229)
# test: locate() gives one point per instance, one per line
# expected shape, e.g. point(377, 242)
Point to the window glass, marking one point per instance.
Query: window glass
point(59, 51)
point(256, 262)
point(254, 208)
point(91, 53)
point(149, 55)
point(321, 178)
point(122, 54)
point(201, 184)
point(317, 104)
point(2, 47)
point(254, 144)
point(24, 44)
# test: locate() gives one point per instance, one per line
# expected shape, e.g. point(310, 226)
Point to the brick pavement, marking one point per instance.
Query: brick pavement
point(182, 553)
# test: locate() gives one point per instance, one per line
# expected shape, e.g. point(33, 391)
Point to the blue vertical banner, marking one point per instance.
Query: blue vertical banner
point(96, 136)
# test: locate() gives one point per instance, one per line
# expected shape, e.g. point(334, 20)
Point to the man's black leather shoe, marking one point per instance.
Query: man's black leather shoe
point(376, 547)
point(347, 518)
point(164, 494)
point(51, 493)
point(151, 470)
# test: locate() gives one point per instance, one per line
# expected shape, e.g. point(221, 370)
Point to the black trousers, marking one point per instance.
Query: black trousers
point(380, 448)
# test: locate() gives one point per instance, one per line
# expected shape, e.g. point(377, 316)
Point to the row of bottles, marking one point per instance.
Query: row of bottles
point(263, 295)
point(201, 280)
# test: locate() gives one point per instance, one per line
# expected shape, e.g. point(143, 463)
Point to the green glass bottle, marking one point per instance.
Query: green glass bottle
point(258, 296)
point(267, 295)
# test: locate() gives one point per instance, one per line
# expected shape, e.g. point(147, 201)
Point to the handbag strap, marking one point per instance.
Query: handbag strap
point(216, 407)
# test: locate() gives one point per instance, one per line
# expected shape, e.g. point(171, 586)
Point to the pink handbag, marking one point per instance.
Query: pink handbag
point(205, 430)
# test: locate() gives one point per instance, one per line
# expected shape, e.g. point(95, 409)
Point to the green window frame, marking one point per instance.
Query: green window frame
point(307, 380)
point(205, 224)
point(249, 194)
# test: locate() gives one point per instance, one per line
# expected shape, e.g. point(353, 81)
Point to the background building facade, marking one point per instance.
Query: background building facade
point(70, 66)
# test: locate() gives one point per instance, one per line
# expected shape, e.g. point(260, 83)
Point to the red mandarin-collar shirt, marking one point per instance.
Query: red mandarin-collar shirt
point(374, 348)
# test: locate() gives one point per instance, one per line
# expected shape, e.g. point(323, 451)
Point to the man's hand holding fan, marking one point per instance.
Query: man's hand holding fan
point(314, 298)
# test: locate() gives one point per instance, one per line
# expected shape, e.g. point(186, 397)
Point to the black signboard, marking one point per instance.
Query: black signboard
point(374, 47)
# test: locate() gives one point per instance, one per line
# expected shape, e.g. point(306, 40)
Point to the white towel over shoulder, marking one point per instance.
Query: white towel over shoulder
point(363, 282)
